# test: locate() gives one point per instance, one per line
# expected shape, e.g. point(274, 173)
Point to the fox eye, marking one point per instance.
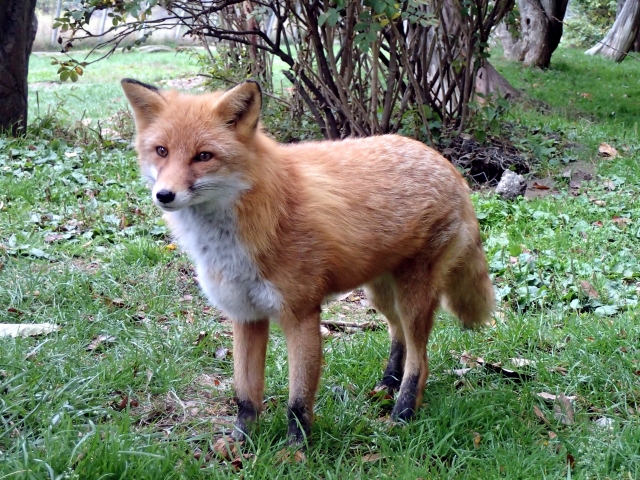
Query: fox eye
point(162, 152)
point(203, 157)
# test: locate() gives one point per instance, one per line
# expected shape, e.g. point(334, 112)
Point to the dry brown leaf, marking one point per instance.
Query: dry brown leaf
point(597, 224)
point(552, 435)
point(476, 439)
point(124, 402)
point(470, 360)
point(540, 186)
point(285, 455)
point(114, 302)
point(100, 340)
point(621, 221)
point(54, 237)
point(201, 336)
point(607, 151)
point(552, 398)
point(589, 289)
point(571, 462)
point(371, 457)
point(226, 448)
point(563, 410)
point(540, 415)
point(609, 185)
point(461, 371)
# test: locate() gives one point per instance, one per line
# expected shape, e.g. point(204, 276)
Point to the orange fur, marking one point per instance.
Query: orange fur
point(316, 219)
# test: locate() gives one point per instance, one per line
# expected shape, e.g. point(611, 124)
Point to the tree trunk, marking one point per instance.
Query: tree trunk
point(18, 25)
point(540, 32)
point(489, 81)
point(622, 35)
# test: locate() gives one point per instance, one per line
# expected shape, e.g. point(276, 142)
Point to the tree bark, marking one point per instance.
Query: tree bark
point(18, 25)
point(489, 81)
point(540, 32)
point(624, 32)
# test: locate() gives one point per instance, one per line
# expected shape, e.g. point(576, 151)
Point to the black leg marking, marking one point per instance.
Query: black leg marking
point(299, 422)
point(393, 373)
point(247, 415)
point(406, 404)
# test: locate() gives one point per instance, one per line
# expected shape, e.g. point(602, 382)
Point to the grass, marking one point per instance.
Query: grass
point(136, 382)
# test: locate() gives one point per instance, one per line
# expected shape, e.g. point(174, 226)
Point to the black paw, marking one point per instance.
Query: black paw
point(299, 423)
point(247, 417)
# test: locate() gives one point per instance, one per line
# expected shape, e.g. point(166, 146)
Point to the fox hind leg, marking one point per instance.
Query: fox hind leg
point(381, 293)
point(417, 315)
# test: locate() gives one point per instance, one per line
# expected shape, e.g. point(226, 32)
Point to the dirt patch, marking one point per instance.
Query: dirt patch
point(576, 173)
point(483, 163)
point(201, 401)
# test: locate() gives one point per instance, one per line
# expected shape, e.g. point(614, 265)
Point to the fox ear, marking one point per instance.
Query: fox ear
point(145, 100)
point(240, 107)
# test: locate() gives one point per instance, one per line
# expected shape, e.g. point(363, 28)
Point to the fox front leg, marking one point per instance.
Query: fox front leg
point(249, 353)
point(304, 349)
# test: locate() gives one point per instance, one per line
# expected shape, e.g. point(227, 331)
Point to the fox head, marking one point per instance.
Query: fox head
point(194, 148)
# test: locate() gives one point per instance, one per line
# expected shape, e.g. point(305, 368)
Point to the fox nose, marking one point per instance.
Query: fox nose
point(165, 196)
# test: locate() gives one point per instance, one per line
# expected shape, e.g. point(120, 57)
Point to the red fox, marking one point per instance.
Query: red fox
point(275, 229)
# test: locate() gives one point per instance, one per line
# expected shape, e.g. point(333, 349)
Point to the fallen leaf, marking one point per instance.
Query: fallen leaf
point(114, 302)
point(552, 435)
point(53, 237)
point(99, 340)
point(27, 329)
point(609, 185)
point(468, 359)
point(226, 448)
point(371, 457)
point(201, 336)
point(540, 415)
point(170, 247)
point(14, 311)
point(522, 362)
point(607, 151)
point(585, 95)
point(221, 353)
point(571, 462)
point(605, 422)
point(344, 296)
point(285, 455)
point(124, 402)
point(461, 371)
point(552, 398)
point(540, 186)
point(589, 289)
point(621, 221)
point(563, 410)
point(476, 439)
point(597, 224)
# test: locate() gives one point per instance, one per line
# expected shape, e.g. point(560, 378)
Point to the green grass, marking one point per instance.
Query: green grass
point(97, 94)
point(82, 247)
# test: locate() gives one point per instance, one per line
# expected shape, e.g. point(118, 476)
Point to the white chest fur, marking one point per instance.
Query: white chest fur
point(227, 274)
